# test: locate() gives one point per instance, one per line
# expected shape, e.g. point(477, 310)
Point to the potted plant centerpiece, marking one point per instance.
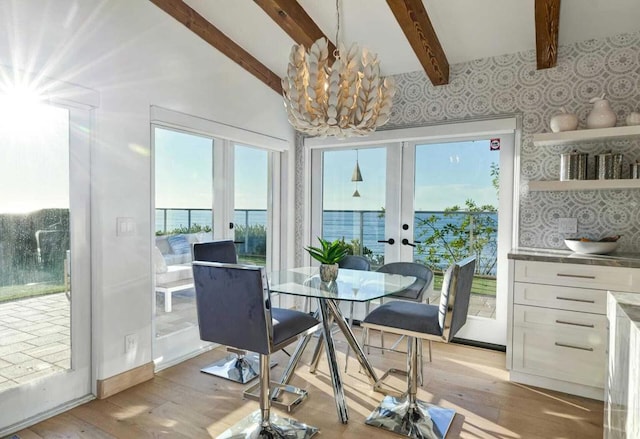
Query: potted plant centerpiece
point(328, 254)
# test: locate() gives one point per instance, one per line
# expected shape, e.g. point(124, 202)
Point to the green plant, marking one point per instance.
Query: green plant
point(328, 252)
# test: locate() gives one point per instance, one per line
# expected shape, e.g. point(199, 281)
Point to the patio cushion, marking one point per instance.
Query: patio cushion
point(179, 244)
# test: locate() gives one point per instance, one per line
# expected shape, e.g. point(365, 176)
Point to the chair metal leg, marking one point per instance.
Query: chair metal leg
point(240, 367)
point(261, 424)
point(407, 415)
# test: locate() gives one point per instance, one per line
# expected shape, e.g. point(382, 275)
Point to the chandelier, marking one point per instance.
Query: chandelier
point(347, 98)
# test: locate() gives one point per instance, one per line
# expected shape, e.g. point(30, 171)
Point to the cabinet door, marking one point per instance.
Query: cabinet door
point(563, 345)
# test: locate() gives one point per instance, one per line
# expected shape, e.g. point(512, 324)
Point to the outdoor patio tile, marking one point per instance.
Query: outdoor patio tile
point(7, 320)
point(17, 358)
point(48, 339)
point(26, 368)
point(49, 329)
point(16, 337)
point(484, 313)
point(15, 347)
point(61, 321)
point(64, 364)
point(47, 349)
point(38, 374)
point(3, 364)
point(36, 317)
point(29, 326)
point(58, 356)
point(65, 331)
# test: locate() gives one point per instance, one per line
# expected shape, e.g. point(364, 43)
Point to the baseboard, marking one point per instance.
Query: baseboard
point(117, 383)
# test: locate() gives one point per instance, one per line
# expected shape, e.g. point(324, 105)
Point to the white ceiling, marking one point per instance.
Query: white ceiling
point(467, 29)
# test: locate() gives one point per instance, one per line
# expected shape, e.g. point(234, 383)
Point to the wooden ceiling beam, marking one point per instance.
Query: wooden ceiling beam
point(416, 25)
point(547, 28)
point(293, 19)
point(212, 35)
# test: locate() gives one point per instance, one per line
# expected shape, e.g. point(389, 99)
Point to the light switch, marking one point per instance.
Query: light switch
point(125, 226)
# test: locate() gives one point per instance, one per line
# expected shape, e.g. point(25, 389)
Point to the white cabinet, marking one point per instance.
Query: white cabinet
point(579, 137)
point(558, 324)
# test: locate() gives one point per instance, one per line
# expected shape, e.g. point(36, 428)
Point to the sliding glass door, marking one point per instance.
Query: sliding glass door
point(45, 264)
point(432, 202)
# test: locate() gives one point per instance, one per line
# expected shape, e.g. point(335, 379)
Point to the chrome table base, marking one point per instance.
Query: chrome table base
point(239, 369)
point(419, 420)
point(277, 428)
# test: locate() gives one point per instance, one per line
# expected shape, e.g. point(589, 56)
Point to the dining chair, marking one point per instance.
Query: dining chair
point(413, 293)
point(239, 366)
point(234, 309)
point(406, 415)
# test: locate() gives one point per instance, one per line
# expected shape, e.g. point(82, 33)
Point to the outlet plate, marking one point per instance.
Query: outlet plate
point(130, 343)
point(568, 225)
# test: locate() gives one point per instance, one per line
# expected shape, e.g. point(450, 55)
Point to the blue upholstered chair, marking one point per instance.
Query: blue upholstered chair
point(234, 309)
point(407, 415)
point(240, 366)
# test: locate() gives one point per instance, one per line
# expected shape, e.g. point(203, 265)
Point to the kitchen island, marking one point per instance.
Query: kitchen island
point(622, 395)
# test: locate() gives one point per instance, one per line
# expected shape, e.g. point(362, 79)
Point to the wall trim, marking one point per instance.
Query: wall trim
point(117, 383)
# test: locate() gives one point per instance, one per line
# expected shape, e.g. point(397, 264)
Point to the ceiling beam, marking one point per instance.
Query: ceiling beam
point(289, 15)
point(416, 25)
point(212, 35)
point(547, 27)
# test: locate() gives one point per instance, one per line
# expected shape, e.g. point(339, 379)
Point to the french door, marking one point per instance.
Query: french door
point(206, 188)
point(45, 287)
point(432, 201)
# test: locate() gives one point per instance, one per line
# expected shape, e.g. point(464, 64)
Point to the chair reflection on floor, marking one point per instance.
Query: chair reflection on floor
point(234, 309)
point(407, 415)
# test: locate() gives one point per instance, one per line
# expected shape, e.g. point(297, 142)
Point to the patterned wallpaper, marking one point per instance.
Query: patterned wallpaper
point(511, 85)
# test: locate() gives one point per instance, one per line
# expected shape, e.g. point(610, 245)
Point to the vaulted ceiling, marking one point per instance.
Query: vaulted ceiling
point(407, 35)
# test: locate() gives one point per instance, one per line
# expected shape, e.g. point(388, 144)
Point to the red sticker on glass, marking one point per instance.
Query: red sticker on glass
point(494, 145)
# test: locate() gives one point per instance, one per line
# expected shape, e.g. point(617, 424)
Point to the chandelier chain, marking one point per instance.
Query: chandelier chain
point(336, 52)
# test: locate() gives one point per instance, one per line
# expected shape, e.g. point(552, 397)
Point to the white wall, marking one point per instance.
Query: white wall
point(135, 56)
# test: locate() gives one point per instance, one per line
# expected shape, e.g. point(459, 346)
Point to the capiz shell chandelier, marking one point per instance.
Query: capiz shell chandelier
point(348, 98)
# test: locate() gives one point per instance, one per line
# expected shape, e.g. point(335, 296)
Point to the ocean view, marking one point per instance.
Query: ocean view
point(366, 226)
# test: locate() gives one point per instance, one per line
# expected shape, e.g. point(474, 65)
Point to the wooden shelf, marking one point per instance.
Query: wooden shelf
point(569, 137)
point(583, 185)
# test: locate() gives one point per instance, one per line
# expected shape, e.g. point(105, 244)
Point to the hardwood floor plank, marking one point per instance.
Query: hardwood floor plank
point(181, 402)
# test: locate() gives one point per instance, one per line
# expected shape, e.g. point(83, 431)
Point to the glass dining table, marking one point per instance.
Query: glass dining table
point(351, 286)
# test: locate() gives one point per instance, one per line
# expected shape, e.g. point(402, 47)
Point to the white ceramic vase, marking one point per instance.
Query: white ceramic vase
point(633, 119)
point(564, 121)
point(601, 116)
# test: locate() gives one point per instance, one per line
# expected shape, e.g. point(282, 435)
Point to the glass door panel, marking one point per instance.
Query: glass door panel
point(183, 216)
point(354, 200)
point(44, 260)
point(456, 197)
point(251, 205)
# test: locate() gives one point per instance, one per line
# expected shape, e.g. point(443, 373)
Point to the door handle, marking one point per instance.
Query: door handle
point(389, 241)
point(405, 241)
point(231, 225)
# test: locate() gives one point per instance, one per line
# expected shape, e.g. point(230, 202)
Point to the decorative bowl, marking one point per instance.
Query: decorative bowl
point(591, 247)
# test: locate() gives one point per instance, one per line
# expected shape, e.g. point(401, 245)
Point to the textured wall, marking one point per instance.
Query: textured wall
point(510, 84)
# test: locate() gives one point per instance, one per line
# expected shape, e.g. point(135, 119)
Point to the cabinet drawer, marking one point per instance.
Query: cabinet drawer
point(560, 345)
point(578, 275)
point(566, 298)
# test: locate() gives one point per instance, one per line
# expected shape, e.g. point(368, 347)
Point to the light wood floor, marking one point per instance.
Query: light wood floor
point(181, 402)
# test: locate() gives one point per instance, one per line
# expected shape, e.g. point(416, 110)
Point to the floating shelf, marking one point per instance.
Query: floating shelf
point(583, 185)
point(569, 137)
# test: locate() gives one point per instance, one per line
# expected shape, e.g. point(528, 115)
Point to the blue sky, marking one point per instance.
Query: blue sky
point(446, 174)
point(183, 166)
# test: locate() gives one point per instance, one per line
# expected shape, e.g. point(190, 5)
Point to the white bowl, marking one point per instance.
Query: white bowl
point(591, 247)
